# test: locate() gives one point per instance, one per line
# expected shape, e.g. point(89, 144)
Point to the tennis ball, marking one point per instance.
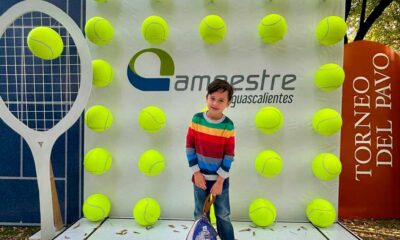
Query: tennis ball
point(212, 29)
point(98, 118)
point(269, 120)
point(326, 166)
point(45, 43)
point(268, 163)
point(97, 161)
point(329, 77)
point(96, 207)
point(151, 163)
point(103, 73)
point(327, 122)
point(99, 30)
point(204, 109)
point(262, 212)
point(321, 212)
point(330, 30)
point(272, 28)
point(146, 211)
point(155, 29)
point(152, 119)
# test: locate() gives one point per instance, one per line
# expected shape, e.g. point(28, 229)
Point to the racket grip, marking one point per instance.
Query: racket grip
point(207, 204)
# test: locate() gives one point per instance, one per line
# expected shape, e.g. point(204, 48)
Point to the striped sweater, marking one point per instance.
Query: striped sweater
point(210, 146)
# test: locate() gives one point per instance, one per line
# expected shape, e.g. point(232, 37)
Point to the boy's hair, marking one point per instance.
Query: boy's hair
point(218, 84)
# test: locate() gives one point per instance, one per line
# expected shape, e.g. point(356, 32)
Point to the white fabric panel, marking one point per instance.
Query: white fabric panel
point(240, 53)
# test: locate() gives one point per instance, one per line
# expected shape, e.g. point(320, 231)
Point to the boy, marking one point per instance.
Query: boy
point(210, 147)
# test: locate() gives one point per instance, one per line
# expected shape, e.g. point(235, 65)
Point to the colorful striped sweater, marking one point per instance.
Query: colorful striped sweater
point(210, 146)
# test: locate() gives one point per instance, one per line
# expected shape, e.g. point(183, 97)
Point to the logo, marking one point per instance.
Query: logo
point(167, 68)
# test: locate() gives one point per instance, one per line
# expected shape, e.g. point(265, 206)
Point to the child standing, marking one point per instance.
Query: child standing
point(210, 149)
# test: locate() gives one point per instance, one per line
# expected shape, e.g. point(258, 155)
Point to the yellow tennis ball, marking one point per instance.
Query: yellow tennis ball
point(326, 166)
point(331, 30)
point(155, 29)
point(99, 30)
point(268, 163)
point(269, 120)
point(152, 119)
point(103, 73)
point(272, 28)
point(45, 43)
point(321, 212)
point(262, 212)
point(327, 122)
point(212, 29)
point(151, 163)
point(98, 118)
point(204, 109)
point(146, 211)
point(329, 77)
point(96, 207)
point(97, 161)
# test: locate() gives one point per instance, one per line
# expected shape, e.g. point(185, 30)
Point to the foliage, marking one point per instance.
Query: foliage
point(374, 20)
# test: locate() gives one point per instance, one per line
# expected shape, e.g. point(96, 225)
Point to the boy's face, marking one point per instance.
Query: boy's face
point(217, 102)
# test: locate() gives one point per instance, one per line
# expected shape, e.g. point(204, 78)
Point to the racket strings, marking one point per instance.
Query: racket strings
point(38, 92)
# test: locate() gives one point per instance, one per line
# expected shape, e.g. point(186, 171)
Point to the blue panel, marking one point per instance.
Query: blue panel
point(10, 160)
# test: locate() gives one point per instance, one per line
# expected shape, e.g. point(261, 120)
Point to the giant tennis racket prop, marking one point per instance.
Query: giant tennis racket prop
point(41, 99)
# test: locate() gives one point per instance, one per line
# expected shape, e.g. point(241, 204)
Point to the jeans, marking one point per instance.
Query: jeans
point(222, 211)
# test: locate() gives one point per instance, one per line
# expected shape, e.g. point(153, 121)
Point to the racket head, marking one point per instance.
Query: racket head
point(72, 83)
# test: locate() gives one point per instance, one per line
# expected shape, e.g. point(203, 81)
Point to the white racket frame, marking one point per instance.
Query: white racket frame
point(41, 142)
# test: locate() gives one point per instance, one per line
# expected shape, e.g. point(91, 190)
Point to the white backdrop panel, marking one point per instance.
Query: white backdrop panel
point(240, 53)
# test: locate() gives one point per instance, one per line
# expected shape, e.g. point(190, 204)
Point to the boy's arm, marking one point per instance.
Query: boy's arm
point(229, 155)
point(191, 151)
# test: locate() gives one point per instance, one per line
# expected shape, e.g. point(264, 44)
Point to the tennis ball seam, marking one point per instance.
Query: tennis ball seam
point(106, 121)
point(333, 174)
point(105, 165)
point(265, 207)
point(327, 31)
point(214, 28)
point(48, 46)
point(153, 165)
point(95, 32)
point(154, 118)
point(145, 212)
point(96, 207)
point(158, 24)
point(272, 24)
point(325, 120)
point(266, 161)
point(311, 212)
point(280, 119)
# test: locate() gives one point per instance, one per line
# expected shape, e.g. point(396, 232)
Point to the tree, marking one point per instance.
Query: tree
point(375, 20)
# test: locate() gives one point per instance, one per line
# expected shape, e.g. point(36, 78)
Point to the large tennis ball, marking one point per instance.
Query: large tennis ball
point(272, 28)
point(155, 29)
point(45, 43)
point(152, 119)
point(103, 73)
point(268, 163)
point(331, 30)
point(146, 211)
point(96, 207)
point(262, 212)
point(321, 212)
point(98, 118)
point(151, 163)
point(97, 161)
point(327, 122)
point(329, 77)
point(269, 120)
point(99, 30)
point(326, 166)
point(212, 29)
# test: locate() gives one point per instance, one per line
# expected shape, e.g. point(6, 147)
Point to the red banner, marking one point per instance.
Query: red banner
point(370, 180)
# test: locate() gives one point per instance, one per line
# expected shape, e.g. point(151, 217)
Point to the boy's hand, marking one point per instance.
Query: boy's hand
point(199, 180)
point(217, 187)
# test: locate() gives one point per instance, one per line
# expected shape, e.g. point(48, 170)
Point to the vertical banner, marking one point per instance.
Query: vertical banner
point(369, 183)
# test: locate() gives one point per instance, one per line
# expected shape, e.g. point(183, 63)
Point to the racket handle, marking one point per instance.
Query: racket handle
point(207, 204)
point(58, 222)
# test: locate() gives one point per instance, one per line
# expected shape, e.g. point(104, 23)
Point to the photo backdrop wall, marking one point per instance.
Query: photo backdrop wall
point(284, 70)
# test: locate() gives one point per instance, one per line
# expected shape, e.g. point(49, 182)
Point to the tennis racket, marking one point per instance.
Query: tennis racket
point(41, 99)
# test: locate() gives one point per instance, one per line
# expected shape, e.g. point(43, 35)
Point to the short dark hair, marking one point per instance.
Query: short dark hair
point(219, 84)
